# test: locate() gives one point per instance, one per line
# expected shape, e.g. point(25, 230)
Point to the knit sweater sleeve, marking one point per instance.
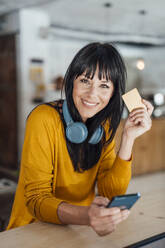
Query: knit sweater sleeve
point(114, 173)
point(37, 164)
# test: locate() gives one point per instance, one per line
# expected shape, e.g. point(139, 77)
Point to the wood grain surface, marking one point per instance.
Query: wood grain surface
point(147, 219)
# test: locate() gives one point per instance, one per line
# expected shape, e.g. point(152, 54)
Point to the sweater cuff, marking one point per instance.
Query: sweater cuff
point(125, 161)
point(122, 167)
point(48, 210)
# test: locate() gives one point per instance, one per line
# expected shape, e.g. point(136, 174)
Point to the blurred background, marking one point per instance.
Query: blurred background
point(38, 39)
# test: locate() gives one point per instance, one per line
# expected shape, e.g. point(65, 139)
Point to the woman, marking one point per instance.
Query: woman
point(62, 160)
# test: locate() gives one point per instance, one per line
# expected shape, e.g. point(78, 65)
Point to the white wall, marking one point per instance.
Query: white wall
point(61, 54)
point(30, 45)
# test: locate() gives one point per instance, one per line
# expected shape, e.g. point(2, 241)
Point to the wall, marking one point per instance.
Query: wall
point(61, 54)
point(30, 45)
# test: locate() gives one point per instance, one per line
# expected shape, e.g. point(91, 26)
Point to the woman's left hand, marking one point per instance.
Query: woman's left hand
point(139, 121)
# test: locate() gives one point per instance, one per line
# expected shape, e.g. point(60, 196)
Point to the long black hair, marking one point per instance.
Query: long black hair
point(111, 66)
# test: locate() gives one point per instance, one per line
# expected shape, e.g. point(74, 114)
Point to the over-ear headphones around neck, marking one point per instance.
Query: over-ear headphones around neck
point(77, 132)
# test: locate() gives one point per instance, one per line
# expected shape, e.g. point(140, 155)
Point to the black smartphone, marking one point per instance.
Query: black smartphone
point(124, 201)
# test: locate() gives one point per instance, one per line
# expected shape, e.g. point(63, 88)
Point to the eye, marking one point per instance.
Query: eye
point(83, 80)
point(104, 86)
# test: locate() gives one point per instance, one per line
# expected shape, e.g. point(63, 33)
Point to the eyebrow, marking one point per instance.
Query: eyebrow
point(103, 81)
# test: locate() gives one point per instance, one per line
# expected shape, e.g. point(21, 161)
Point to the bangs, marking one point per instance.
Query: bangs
point(88, 69)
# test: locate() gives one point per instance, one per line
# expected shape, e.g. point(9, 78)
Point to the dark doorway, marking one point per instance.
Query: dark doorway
point(8, 103)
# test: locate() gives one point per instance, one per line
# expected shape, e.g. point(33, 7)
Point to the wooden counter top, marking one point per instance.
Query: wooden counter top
point(149, 148)
point(147, 219)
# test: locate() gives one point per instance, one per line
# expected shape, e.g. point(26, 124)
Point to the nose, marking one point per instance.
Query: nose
point(92, 91)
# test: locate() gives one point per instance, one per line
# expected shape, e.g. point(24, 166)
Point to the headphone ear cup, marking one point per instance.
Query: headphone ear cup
point(76, 132)
point(97, 135)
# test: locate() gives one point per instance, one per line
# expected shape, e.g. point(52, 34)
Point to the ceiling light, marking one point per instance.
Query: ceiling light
point(108, 5)
point(142, 12)
point(140, 64)
point(158, 99)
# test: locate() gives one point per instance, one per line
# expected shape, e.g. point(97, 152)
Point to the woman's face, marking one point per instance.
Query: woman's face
point(91, 95)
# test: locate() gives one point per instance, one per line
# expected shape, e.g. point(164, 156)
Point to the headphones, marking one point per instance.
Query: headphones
point(77, 132)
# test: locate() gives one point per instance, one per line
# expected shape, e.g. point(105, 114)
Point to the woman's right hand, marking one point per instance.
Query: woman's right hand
point(104, 220)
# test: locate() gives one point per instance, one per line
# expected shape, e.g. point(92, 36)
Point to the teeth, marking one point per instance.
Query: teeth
point(90, 104)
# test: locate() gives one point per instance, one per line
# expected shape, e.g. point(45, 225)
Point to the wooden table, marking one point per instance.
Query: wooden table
point(144, 159)
point(147, 219)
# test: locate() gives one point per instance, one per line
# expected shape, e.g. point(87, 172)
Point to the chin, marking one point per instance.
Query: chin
point(89, 116)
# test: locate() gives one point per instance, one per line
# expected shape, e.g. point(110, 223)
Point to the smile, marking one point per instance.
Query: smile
point(89, 103)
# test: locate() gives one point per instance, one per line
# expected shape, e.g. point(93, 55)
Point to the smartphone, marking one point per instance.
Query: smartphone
point(124, 201)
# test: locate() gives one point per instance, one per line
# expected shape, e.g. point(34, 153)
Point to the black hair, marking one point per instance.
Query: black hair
point(110, 66)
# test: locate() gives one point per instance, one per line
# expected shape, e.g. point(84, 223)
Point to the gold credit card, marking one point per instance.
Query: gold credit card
point(133, 100)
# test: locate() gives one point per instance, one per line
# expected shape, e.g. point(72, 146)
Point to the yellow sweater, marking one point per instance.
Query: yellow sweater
point(47, 176)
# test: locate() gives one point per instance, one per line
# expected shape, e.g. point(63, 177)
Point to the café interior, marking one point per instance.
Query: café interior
point(38, 39)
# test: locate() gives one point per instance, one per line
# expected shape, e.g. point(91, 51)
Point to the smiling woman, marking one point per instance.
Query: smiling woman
point(91, 95)
point(69, 146)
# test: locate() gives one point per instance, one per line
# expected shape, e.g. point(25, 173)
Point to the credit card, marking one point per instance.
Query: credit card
point(133, 100)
